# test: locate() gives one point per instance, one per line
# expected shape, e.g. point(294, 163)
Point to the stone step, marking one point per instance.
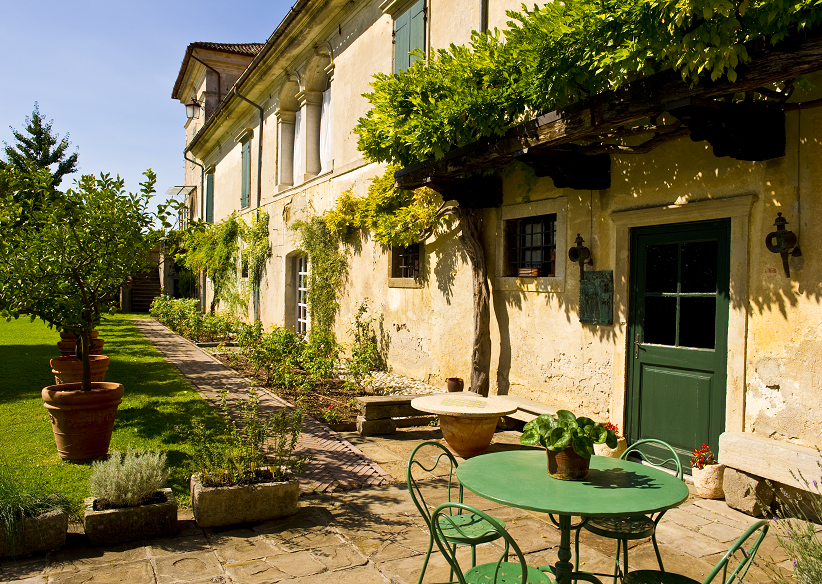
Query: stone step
point(378, 407)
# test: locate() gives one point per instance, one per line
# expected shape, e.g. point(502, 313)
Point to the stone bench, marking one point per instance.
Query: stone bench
point(382, 414)
point(751, 460)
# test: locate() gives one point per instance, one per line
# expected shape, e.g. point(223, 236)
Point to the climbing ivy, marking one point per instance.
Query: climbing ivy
point(214, 248)
point(329, 267)
point(257, 247)
point(394, 216)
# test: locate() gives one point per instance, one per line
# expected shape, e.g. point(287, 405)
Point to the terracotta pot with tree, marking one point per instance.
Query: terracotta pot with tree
point(63, 256)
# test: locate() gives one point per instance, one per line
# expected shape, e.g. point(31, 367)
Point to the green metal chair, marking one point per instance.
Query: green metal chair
point(736, 575)
point(473, 531)
point(447, 525)
point(631, 527)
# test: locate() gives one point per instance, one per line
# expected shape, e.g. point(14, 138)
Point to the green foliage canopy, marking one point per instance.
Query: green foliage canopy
point(559, 54)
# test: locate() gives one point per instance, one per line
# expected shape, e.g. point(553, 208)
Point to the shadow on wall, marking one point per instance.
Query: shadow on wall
point(450, 254)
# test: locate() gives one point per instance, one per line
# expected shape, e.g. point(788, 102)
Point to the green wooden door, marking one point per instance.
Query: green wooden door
point(678, 334)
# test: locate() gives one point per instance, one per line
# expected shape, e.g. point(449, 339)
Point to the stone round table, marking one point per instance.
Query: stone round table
point(467, 419)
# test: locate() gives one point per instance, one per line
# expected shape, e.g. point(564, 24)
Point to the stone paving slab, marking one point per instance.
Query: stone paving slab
point(336, 464)
point(373, 535)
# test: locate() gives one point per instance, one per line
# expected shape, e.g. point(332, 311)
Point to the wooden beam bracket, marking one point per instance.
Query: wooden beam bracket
point(569, 168)
point(750, 130)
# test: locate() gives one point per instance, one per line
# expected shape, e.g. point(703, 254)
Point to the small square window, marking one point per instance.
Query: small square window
point(531, 245)
point(405, 261)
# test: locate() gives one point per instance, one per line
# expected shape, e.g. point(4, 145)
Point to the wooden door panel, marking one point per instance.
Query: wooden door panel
point(678, 333)
point(683, 393)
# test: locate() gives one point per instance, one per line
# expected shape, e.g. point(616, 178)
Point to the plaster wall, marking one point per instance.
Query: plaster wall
point(364, 48)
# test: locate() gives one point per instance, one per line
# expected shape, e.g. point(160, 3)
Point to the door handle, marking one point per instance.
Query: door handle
point(637, 345)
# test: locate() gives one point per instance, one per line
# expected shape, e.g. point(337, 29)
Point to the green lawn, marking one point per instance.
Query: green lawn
point(156, 399)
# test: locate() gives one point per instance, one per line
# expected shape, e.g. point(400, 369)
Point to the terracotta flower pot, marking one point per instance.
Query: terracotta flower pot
point(68, 341)
point(455, 383)
point(468, 437)
point(567, 465)
point(82, 421)
point(70, 369)
point(604, 450)
point(708, 481)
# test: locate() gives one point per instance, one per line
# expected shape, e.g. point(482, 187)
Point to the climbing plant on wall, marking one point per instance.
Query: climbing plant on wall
point(549, 58)
point(256, 245)
point(214, 248)
point(329, 268)
point(559, 54)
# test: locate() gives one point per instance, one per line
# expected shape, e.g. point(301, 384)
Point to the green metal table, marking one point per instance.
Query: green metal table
point(614, 487)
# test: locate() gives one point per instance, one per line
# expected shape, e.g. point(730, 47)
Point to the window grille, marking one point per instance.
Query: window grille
point(531, 243)
point(406, 262)
point(302, 294)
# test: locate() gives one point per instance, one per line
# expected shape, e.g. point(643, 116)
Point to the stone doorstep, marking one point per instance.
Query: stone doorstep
point(527, 409)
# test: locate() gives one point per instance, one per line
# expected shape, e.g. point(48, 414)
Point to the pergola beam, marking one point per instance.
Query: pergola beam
point(647, 97)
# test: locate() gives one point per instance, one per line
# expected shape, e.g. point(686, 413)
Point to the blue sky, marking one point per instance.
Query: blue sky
point(104, 71)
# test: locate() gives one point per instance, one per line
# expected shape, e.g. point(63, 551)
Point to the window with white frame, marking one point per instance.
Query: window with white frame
point(245, 185)
point(301, 286)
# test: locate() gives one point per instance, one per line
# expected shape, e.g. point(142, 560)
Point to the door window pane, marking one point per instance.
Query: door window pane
point(699, 264)
point(661, 268)
point(660, 320)
point(697, 322)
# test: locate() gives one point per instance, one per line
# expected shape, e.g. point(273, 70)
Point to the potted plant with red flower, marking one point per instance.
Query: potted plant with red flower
point(605, 450)
point(707, 473)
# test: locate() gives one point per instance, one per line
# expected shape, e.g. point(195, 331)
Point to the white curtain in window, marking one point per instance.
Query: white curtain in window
point(299, 155)
point(326, 154)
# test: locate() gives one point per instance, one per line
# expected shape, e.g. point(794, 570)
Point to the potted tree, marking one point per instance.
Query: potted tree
point(569, 442)
point(63, 257)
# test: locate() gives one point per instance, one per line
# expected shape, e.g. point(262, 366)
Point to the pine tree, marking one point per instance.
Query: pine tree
point(37, 145)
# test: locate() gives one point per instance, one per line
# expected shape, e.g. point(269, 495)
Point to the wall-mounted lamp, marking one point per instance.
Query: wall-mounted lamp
point(580, 254)
point(192, 109)
point(783, 242)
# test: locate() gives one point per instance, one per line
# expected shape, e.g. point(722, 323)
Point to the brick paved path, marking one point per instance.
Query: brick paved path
point(337, 465)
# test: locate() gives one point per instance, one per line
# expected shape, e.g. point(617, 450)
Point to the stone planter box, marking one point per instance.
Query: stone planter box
point(216, 506)
point(131, 523)
point(43, 533)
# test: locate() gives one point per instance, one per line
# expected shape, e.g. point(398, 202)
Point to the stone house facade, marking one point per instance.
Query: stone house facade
point(708, 334)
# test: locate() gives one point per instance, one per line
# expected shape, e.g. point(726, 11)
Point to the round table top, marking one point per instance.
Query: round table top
point(614, 487)
point(464, 404)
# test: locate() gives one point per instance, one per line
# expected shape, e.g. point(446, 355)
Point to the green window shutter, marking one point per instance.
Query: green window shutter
point(244, 198)
point(417, 28)
point(409, 34)
point(209, 205)
point(402, 42)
